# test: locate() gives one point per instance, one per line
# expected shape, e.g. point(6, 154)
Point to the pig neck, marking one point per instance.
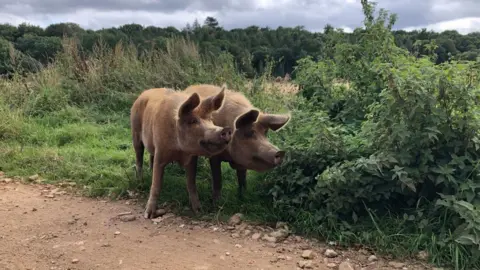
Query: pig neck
point(172, 144)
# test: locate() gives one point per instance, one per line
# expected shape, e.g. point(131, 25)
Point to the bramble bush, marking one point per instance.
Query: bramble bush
point(393, 156)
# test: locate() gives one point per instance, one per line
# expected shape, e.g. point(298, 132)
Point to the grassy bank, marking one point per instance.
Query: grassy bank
point(70, 121)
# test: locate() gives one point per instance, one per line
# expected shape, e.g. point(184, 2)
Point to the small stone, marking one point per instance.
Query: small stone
point(72, 221)
point(331, 265)
point(397, 265)
point(235, 219)
point(269, 238)
point(422, 255)
point(345, 266)
point(330, 253)
point(34, 209)
point(288, 258)
point(235, 235)
point(117, 232)
point(307, 254)
point(128, 218)
point(256, 236)
point(8, 180)
point(363, 251)
point(156, 220)
point(33, 177)
point(242, 226)
point(281, 225)
point(305, 264)
point(124, 213)
point(271, 245)
point(75, 261)
point(304, 246)
point(231, 228)
point(50, 196)
point(280, 234)
point(372, 258)
point(247, 232)
point(106, 245)
point(238, 246)
point(227, 253)
point(160, 212)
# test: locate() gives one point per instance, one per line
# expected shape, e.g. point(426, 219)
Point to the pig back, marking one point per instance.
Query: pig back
point(235, 103)
point(158, 117)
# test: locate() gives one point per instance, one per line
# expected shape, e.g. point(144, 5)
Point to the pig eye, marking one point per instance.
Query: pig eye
point(192, 121)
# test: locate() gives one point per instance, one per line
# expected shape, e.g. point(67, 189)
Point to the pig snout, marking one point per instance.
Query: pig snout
point(270, 158)
point(278, 158)
point(226, 134)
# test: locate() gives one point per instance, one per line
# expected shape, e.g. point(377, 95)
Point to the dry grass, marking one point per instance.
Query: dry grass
point(287, 88)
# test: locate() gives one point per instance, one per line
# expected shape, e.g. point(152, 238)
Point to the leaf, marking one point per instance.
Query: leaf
point(466, 205)
point(466, 240)
point(354, 217)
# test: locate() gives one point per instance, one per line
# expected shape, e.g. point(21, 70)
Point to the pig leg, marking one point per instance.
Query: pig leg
point(242, 182)
point(157, 181)
point(191, 170)
point(139, 149)
point(216, 168)
point(151, 162)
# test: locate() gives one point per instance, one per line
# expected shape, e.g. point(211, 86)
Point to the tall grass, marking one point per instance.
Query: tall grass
point(69, 121)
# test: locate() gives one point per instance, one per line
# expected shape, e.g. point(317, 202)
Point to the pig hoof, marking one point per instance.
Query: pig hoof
point(197, 209)
point(150, 211)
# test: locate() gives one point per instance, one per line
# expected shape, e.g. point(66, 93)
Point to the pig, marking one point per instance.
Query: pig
point(174, 126)
point(249, 148)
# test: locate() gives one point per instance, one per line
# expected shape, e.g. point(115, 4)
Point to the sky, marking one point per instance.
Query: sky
point(437, 15)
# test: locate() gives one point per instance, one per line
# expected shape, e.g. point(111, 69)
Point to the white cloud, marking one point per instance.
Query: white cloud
point(463, 26)
point(437, 15)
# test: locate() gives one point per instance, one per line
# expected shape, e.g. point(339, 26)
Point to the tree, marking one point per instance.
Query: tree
point(211, 22)
point(60, 29)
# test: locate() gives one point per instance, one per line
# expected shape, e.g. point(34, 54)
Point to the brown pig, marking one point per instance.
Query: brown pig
point(249, 148)
point(174, 126)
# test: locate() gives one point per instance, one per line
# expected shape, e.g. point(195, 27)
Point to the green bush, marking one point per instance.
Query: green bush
point(403, 144)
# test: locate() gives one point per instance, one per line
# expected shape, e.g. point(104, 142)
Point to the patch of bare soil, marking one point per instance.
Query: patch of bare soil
point(43, 227)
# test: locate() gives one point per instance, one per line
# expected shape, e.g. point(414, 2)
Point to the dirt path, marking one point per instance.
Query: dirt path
point(45, 229)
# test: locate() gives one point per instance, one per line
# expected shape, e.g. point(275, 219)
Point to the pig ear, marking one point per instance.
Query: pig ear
point(189, 105)
point(217, 100)
point(247, 118)
point(274, 121)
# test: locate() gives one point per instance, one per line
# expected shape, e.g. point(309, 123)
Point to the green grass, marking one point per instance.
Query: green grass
point(96, 152)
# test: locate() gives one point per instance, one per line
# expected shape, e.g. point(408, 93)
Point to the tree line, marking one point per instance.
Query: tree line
point(252, 47)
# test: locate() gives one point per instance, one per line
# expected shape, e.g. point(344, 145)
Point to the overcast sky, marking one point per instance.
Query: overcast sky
point(437, 15)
